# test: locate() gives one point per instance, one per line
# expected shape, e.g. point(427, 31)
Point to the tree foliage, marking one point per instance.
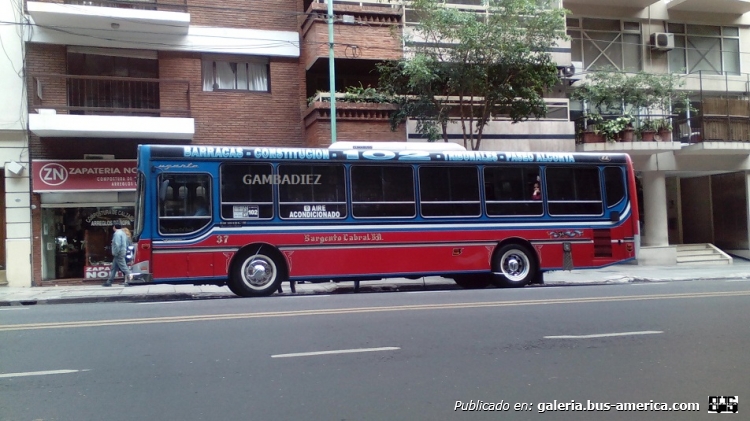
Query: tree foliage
point(465, 67)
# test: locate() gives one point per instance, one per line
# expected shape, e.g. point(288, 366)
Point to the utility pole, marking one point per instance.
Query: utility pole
point(331, 71)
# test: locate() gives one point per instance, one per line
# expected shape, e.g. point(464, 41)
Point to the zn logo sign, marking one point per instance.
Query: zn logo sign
point(53, 174)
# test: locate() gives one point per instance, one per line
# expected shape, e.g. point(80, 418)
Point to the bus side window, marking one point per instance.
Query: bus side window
point(573, 191)
point(382, 191)
point(614, 185)
point(511, 191)
point(449, 191)
point(180, 210)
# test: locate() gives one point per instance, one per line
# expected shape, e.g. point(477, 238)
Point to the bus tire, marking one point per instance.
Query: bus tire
point(516, 264)
point(472, 281)
point(257, 273)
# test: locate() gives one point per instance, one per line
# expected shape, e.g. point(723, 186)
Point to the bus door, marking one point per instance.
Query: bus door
point(184, 213)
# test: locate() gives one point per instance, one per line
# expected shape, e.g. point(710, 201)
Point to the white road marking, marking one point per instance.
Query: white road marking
point(737, 280)
point(338, 351)
point(165, 302)
point(305, 296)
point(13, 308)
point(425, 292)
point(605, 335)
point(38, 373)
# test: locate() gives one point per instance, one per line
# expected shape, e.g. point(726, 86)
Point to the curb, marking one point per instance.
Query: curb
point(335, 288)
point(111, 299)
point(332, 289)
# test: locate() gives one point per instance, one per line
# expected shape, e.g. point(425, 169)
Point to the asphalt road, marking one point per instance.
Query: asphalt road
point(390, 356)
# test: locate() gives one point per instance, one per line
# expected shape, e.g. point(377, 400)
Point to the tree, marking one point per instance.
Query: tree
point(470, 67)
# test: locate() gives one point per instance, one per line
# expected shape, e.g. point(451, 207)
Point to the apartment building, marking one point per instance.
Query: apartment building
point(695, 187)
point(104, 76)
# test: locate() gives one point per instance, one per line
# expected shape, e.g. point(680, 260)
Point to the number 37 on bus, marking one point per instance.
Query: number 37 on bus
point(252, 218)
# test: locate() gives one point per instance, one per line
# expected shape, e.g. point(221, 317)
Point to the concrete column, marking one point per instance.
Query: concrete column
point(655, 232)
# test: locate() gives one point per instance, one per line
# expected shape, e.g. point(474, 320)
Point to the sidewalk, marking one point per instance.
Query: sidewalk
point(138, 293)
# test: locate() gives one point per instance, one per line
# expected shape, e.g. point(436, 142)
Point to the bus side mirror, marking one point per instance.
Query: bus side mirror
point(614, 216)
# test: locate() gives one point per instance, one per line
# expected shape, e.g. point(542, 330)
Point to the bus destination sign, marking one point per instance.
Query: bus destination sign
point(375, 155)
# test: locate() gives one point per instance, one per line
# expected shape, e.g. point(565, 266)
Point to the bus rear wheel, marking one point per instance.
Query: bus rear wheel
point(257, 274)
point(516, 265)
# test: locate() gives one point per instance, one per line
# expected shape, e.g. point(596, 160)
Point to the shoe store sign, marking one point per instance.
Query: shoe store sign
point(83, 175)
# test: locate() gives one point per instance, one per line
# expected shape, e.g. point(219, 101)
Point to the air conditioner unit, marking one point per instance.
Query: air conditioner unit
point(97, 156)
point(662, 41)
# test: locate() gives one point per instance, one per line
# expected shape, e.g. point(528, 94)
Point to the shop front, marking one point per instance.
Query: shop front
point(80, 202)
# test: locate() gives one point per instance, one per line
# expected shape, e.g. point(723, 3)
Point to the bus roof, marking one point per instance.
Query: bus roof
point(397, 146)
point(198, 153)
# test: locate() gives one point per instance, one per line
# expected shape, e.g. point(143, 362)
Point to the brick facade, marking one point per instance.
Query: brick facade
point(280, 117)
point(370, 37)
point(354, 122)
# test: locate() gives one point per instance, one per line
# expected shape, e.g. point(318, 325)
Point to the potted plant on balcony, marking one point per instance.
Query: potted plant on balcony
point(664, 128)
point(617, 129)
point(648, 130)
point(592, 133)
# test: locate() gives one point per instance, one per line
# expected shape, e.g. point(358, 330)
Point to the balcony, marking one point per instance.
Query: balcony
point(555, 132)
point(166, 17)
point(355, 121)
point(104, 106)
point(734, 7)
point(363, 31)
point(721, 128)
point(632, 4)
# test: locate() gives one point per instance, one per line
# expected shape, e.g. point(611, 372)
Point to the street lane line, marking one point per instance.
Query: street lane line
point(163, 302)
point(13, 308)
point(605, 335)
point(37, 373)
point(337, 351)
point(361, 310)
point(426, 292)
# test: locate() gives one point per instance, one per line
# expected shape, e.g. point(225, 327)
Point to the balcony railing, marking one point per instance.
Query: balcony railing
point(719, 120)
point(105, 95)
point(557, 108)
point(165, 5)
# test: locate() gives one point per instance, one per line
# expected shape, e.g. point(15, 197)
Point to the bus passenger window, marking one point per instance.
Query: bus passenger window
point(614, 185)
point(512, 191)
point(449, 191)
point(312, 191)
point(573, 191)
point(246, 191)
point(181, 198)
point(383, 191)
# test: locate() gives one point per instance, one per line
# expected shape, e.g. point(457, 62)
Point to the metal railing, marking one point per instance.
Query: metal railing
point(109, 95)
point(166, 5)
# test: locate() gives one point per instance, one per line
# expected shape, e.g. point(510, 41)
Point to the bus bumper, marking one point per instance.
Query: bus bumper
point(140, 273)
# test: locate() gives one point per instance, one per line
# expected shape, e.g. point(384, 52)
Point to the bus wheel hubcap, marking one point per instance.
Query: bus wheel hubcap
point(259, 272)
point(515, 265)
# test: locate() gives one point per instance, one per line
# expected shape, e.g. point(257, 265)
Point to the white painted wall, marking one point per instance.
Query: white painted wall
point(13, 104)
point(14, 146)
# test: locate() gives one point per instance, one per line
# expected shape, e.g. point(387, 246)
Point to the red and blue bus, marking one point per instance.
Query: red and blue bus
point(252, 218)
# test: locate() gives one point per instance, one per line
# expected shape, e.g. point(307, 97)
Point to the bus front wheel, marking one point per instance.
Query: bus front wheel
point(257, 274)
point(516, 265)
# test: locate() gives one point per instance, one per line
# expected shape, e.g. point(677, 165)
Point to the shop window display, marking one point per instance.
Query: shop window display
point(76, 240)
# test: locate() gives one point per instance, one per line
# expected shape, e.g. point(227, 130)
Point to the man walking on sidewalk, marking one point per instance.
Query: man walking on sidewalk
point(119, 248)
